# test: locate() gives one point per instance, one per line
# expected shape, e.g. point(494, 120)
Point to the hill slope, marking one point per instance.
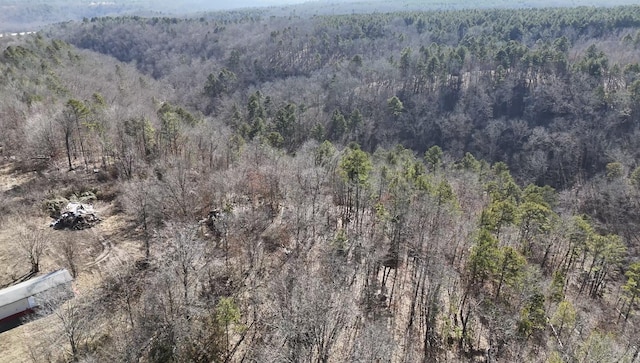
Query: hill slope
point(272, 188)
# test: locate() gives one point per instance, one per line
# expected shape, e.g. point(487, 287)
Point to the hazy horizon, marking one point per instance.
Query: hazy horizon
point(19, 16)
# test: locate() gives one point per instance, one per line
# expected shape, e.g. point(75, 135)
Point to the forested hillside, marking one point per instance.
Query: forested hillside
point(388, 187)
point(545, 91)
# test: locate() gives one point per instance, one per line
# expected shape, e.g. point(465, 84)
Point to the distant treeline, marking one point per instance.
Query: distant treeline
point(32, 15)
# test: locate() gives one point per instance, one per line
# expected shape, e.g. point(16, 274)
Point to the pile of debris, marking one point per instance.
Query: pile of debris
point(216, 222)
point(76, 216)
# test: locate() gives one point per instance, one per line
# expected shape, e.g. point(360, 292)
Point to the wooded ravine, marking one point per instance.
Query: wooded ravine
point(289, 185)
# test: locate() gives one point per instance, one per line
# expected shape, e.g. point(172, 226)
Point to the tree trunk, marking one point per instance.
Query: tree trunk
point(67, 143)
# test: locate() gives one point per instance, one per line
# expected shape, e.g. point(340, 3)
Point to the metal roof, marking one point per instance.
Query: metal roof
point(34, 286)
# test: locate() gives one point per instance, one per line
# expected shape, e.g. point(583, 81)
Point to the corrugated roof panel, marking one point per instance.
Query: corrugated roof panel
point(34, 286)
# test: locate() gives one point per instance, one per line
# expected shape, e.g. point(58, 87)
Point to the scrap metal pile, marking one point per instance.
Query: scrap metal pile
point(76, 216)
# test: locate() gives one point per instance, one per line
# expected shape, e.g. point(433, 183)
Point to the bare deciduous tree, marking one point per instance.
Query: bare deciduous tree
point(140, 199)
point(33, 243)
point(309, 319)
point(186, 254)
point(73, 319)
point(68, 249)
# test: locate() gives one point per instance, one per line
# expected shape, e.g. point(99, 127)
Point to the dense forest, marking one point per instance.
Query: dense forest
point(545, 91)
point(451, 185)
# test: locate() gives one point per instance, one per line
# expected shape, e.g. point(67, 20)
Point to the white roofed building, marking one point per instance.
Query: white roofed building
point(21, 299)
